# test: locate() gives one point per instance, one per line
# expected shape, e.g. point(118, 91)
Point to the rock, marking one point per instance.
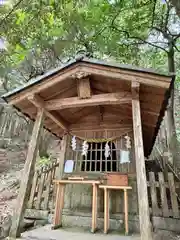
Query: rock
point(5, 227)
point(7, 195)
point(27, 223)
point(41, 222)
point(1, 232)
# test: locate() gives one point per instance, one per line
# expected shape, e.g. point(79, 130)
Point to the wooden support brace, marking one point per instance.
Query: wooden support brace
point(144, 216)
point(38, 102)
point(27, 177)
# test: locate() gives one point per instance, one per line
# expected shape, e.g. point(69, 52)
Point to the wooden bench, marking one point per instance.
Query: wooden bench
point(60, 200)
point(107, 188)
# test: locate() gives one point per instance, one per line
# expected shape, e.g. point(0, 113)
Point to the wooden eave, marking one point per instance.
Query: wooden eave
point(105, 103)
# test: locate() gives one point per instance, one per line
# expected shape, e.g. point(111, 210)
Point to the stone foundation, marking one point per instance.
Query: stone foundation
point(81, 219)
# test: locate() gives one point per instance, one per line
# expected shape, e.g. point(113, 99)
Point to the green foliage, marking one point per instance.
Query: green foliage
point(43, 161)
point(43, 34)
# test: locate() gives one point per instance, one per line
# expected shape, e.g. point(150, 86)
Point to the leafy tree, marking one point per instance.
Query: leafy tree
point(176, 4)
point(40, 35)
point(157, 29)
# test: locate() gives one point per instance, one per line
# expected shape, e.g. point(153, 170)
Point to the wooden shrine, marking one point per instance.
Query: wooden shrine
point(101, 104)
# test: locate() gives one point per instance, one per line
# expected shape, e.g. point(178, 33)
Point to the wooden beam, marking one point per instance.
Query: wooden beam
point(128, 75)
point(104, 125)
point(83, 88)
point(144, 215)
point(38, 102)
point(100, 99)
point(26, 179)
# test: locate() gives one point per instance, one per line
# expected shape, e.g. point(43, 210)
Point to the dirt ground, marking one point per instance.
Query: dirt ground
point(11, 165)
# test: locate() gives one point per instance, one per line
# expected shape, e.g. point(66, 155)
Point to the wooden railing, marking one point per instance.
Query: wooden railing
point(41, 196)
point(163, 197)
point(161, 153)
point(161, 143)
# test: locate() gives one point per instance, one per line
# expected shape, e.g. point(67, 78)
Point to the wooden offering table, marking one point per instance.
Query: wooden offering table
point(60, 200)
point(107, 188)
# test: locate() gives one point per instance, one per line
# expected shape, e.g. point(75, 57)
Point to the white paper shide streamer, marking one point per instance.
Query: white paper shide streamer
point(85, 148)
point(73, 143)
point(128, 142)
point(107, 150)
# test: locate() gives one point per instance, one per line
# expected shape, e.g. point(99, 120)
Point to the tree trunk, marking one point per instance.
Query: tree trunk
point(176, 4)
point(172, 141)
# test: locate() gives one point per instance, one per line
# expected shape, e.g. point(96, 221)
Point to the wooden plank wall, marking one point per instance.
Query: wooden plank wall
point(79, 197)
point(163, 196)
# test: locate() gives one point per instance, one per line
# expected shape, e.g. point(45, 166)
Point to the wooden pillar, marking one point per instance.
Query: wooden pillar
point(60, 169)
point(27, 177)
point(144, 217)
point(126, 211)
point(64, 142)
point(59, 206)
point(106, 210)
point(94, 207)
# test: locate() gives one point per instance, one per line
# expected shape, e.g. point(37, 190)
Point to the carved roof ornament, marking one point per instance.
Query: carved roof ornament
point(80, 75)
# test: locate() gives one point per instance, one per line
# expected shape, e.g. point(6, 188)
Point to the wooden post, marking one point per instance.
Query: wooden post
point(60, 169)
point(164, 202)
point(62, 156)
point(165, 162)
point(27, 177)
point(106, 210)
point(173, 194)
point(59, 206)
point(152, 182)
point(144, 217)
point(126, 212)
point(94, 207)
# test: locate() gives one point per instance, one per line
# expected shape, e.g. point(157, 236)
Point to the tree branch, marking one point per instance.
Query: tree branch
point(176, 37)
point(167, 16)
point(142, 41)
point(12, 10)
point(174, 45)
point(153, 15)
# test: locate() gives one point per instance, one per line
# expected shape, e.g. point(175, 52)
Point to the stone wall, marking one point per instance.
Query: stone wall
point(79, 197)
